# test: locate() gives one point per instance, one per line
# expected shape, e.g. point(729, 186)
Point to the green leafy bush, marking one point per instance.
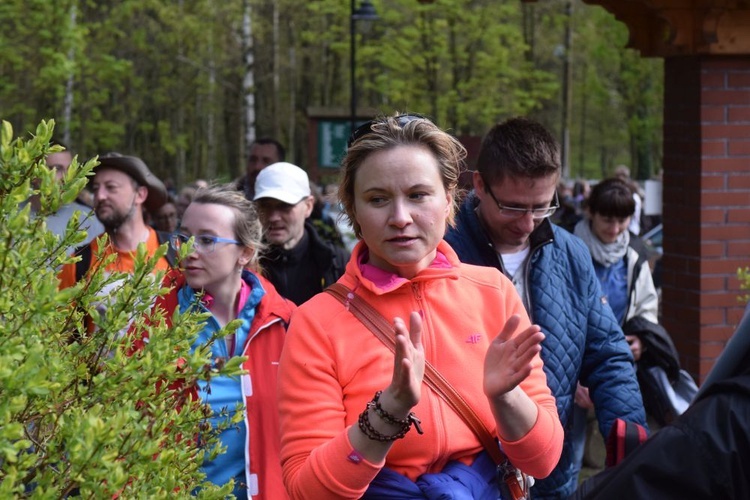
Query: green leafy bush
point(78, 412)
point(743, 274)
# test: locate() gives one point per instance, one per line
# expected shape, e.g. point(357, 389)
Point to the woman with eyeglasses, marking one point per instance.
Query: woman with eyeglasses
point(359, 419)
point(221, 277)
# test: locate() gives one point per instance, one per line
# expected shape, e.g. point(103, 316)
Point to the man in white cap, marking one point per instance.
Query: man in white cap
point(298, 262)
point(123, 188)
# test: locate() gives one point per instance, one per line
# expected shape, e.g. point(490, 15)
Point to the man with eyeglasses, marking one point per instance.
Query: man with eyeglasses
point(504, 223)
point(297, 261)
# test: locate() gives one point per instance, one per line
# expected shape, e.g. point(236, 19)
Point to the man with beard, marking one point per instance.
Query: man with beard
point(123, 188)
point(298, 261)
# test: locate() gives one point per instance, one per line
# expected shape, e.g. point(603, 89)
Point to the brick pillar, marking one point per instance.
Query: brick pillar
point(706, 202)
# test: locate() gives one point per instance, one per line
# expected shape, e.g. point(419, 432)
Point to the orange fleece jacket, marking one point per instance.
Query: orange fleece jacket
point(124, 263)
point(332, 365)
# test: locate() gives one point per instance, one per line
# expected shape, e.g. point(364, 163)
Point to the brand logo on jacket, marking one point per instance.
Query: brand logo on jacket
point(473, 338)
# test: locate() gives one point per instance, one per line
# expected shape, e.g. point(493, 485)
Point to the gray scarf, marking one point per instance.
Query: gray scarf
point(605, 254)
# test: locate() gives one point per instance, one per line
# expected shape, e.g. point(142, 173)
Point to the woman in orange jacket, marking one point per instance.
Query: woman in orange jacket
point(347, 403)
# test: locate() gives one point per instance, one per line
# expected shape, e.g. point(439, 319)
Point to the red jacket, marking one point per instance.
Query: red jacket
point(262, 349)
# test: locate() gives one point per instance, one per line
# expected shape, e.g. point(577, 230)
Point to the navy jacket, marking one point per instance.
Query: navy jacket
point(305, 270)
point(583, 339)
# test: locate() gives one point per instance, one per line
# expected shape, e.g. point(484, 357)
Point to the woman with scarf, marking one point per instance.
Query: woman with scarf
point(625, 277)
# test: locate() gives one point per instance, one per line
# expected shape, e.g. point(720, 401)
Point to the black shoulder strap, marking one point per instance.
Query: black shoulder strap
point(171, 252)
point(82, 266)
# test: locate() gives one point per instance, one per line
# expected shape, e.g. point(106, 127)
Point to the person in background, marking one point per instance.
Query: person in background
point(321, 218)
point(567, 215)
point(57, 222)
point(504, 224)
point(184, 199)
point(625, 277)
point(166, 218)
point(297, 261)
point(618, 262)
point(334, 209)
point(263, 152)
point(581, 192)
point(623, 173)
point(625, 280)
point(347, 402)
point(220, 277)
point(123, 188)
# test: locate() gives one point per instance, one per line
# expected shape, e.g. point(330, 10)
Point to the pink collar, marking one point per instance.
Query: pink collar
point(245, 289)
point(386, 280)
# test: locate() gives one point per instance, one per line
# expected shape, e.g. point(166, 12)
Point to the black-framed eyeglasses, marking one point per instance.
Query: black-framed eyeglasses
point(366, 128)
point(517, 213)
point(204, 243)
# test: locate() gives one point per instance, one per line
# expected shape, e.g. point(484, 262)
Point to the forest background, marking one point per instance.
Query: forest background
point(185, 84)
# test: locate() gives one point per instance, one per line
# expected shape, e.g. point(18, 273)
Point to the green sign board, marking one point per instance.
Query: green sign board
point(332, 137)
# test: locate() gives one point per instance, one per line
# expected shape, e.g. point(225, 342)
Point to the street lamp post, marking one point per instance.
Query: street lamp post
point(366, 12)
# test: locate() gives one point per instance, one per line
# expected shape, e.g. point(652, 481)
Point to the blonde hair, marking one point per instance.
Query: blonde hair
point(247, 228)
point(399, 130)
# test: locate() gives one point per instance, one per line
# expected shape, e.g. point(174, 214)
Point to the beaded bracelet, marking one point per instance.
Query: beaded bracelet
point(372, 433)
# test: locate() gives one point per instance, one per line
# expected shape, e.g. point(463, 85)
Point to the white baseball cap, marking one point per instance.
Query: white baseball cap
point(282, 181)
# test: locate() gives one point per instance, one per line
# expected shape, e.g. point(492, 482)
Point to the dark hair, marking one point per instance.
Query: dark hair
point(518, 147)
point(611, 197)
point(580, 187)
point(280, 150)
point(386, 133)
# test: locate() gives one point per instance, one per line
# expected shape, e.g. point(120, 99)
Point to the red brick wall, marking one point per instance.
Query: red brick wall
point(706, 202)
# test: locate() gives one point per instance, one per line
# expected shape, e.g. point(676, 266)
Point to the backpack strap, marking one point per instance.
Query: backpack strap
point(82, 266)
point(171, 256)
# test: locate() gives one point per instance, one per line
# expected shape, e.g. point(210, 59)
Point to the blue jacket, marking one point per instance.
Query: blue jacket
point(456, 481)
point(584, 341)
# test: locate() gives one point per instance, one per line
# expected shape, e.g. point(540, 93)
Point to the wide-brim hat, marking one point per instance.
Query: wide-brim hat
point(137, 169)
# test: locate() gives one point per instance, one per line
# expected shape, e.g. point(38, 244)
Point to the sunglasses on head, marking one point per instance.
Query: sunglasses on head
point(366, 128)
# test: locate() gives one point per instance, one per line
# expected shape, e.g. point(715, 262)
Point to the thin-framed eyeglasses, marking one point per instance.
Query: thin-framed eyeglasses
point(203, 243)
point(517, 213)
point(366, 128)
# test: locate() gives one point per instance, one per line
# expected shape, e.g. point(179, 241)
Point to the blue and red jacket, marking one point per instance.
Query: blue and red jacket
point(265, 316)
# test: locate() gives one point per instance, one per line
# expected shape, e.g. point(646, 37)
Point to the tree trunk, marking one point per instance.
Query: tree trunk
point(68, 101)
point(248, 83)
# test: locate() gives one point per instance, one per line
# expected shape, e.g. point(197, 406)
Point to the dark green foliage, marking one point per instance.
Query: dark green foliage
point(164, 79)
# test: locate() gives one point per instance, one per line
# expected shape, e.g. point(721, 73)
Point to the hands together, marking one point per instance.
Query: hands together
point(506, 364)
